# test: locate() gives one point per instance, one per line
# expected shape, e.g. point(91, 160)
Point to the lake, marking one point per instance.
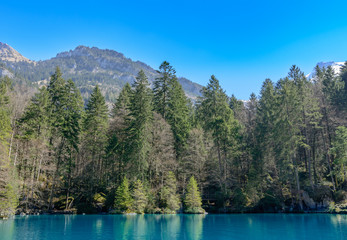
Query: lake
point(209, 227)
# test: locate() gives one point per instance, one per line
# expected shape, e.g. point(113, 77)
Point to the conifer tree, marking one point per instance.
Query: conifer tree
point(117, 135)
point(161, 88)
point(94, 140)
point(218, 119)
point(139, 197)
point(140, 123)
point(123, 200)
point(66, 111)
point(194, 157)
point(169, 200)
point(192, 200)
point(339, 151)
point(178, 115)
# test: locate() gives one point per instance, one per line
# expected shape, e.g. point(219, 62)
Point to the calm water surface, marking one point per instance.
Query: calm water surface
point(210, 227)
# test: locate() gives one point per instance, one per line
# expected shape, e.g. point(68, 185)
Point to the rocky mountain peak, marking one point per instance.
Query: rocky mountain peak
point(7, 53)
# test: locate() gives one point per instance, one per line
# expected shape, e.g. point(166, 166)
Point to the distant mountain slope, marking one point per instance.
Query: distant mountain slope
point(87, 67)
point(335, 65)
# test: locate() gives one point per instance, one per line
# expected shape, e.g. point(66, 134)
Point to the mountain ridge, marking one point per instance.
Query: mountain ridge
point(87, 67)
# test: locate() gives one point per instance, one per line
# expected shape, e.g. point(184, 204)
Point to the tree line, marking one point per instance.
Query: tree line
point(156, 151)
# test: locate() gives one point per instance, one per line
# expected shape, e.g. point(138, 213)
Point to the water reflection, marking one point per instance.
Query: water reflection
point(178, 227)
point(7, 228)
point(193, 226)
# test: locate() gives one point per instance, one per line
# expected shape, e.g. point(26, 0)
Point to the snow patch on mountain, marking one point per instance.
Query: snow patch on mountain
point(336, 66)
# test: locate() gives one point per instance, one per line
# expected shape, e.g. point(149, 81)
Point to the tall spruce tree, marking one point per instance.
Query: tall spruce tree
point(117, 135)
point(140, 122)
point(178, 115)
point(218, 119)
point(192, 200)
point(94, 141)
point(123, 200)
point(66, 111)
point(161, 88)
point(169, 199)
point(140, 197)
point(339, 151)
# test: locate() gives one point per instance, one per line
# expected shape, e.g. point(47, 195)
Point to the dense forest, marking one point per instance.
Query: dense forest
point(158, 152)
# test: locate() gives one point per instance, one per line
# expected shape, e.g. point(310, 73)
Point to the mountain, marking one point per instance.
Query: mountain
point(335, 65)
point(87, 67)
point(7, 53)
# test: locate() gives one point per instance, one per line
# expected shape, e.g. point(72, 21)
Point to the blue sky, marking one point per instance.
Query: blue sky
point(240, 42)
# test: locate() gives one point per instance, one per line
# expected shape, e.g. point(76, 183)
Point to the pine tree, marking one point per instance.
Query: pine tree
point(122, 104)
point(161, 88)
point(140, 197)
point(339, 151)
point(169, 199)
point(178, 115)
point(123, 200)
point(94, 142)
point(195, 157)
point(65, 116)
point(218, 119)
point(342, 92)
point(117, 134)
point(140, 123)
point(192, 200)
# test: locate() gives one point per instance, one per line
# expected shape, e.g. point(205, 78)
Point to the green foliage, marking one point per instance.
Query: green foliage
point(162, 87)
point(8, 180)
point(178, 115)
point(218, 119)
point(8, 201)
point(95, 127)
point(169, 200)
point(192, 200)
point(339, 151)
point(140, 123)
point(139, 197)
point(123, 200)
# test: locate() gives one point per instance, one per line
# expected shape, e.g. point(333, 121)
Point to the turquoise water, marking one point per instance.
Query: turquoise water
point(210, 227)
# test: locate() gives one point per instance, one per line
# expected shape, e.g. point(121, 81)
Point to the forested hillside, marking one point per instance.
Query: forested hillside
point(87, 67)
point(284, 150)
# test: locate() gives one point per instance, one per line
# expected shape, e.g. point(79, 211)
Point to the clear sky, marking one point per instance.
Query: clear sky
point(240, 42)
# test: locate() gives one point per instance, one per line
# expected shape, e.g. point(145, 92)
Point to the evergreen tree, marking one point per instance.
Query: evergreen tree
point(218, 119)
point(139, 130)
point(342, 93)
point(66, 111)
point(140, 197)
point(94, 142)
point(161, 88)
point(122, 103)
point(192, 200)
point(123, 200)
point(117, 134)
point(169, 200)
point(339, 151)
point(178, 115)
point(195, 157)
